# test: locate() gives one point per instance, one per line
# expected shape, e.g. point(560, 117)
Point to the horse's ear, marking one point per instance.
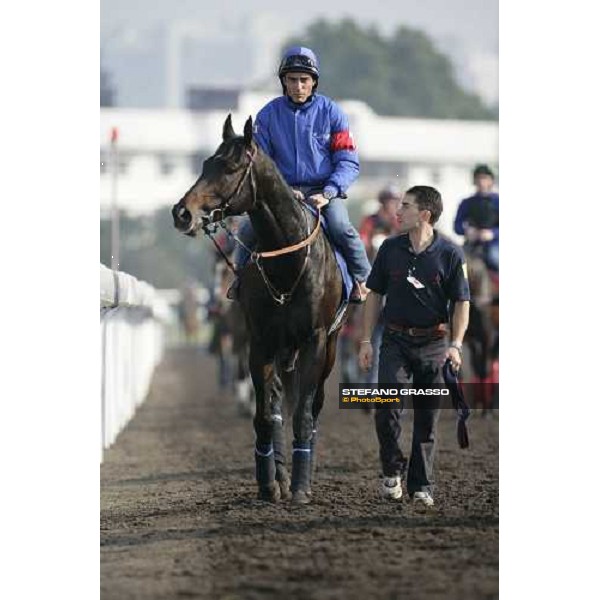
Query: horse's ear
point(248, 132)
point(228, 131)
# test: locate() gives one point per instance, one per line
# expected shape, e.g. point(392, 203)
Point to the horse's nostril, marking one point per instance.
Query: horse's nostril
point(183, 215)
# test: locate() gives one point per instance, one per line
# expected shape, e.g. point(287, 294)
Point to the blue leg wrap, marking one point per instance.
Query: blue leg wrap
point(265, 464)
point(301, 466)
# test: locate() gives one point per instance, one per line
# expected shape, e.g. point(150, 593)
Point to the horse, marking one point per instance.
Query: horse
point(482, 333)
point(220, 345)
point(229, 339)
point(242, 381)
point(290, 293)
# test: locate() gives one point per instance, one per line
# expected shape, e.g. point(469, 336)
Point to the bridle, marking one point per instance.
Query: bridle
point(218, 214)
point(216, 219)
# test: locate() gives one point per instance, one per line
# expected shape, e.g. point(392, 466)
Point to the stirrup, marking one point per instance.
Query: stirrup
point(355, 296)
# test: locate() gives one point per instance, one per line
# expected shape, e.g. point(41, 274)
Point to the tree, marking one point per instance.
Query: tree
point(404, 75)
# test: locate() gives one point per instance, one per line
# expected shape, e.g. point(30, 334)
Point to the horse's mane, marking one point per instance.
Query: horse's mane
point(279, 181)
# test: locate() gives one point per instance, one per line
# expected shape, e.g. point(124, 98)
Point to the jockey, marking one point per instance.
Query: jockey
point(308, 137)
point(477, 219)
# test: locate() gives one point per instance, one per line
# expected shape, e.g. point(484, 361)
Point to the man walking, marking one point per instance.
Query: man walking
point(423, 279)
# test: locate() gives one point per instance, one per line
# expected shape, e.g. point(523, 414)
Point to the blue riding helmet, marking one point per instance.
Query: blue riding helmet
point(301, 60)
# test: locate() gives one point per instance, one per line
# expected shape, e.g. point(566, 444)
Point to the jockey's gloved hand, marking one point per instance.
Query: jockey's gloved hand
point(318, 200)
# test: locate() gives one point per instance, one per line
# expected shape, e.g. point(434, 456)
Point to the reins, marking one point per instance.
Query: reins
point(289, 249)
point(216, 217)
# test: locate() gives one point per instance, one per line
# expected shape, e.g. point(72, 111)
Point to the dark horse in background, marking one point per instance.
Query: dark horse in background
point(289, 292)
point(482, 336)
point(230, 341)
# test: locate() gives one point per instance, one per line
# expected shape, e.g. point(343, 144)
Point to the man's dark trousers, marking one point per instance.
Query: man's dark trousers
point(404, 360)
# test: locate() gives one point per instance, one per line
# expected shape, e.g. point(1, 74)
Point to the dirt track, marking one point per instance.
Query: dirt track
point(179, 516)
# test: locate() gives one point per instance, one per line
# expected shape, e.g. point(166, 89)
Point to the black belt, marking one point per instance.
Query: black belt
point(436, 330)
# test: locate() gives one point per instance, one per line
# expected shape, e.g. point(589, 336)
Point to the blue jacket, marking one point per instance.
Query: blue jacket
point(310, 143)
point(481, 211)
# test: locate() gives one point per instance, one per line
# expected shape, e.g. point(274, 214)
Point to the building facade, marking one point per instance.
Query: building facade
point(159, 152)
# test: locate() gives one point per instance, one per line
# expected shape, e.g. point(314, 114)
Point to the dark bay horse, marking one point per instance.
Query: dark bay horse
point(289, 293)
point(482, 334)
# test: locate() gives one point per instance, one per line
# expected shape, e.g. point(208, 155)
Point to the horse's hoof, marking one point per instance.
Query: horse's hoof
point(270, 493)
point(301, 497)
point(284, 488)
point(284, 481)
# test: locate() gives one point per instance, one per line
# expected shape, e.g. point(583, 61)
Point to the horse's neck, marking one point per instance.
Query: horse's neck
point(278, 219)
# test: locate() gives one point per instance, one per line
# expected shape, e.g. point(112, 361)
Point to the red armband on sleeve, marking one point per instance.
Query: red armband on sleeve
point(342, 140)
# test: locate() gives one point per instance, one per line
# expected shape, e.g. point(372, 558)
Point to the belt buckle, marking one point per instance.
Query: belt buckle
point(411, 331)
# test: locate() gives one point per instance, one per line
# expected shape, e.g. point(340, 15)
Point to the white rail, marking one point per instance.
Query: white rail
point(132, 334)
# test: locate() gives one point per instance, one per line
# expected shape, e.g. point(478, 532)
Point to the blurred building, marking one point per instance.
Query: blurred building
point(160, 151)
point(152, 64)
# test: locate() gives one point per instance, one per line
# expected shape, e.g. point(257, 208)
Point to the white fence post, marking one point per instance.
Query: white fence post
point(132, 322)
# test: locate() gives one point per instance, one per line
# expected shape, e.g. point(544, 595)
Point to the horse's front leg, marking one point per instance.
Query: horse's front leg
point(310, 369)
point(262, 370)
point(279, 438)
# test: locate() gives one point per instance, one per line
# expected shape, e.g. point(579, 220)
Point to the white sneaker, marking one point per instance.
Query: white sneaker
point(423, 498)
point(391, 488)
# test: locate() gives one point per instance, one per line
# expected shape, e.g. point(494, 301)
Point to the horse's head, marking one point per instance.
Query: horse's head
point(226, 186)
